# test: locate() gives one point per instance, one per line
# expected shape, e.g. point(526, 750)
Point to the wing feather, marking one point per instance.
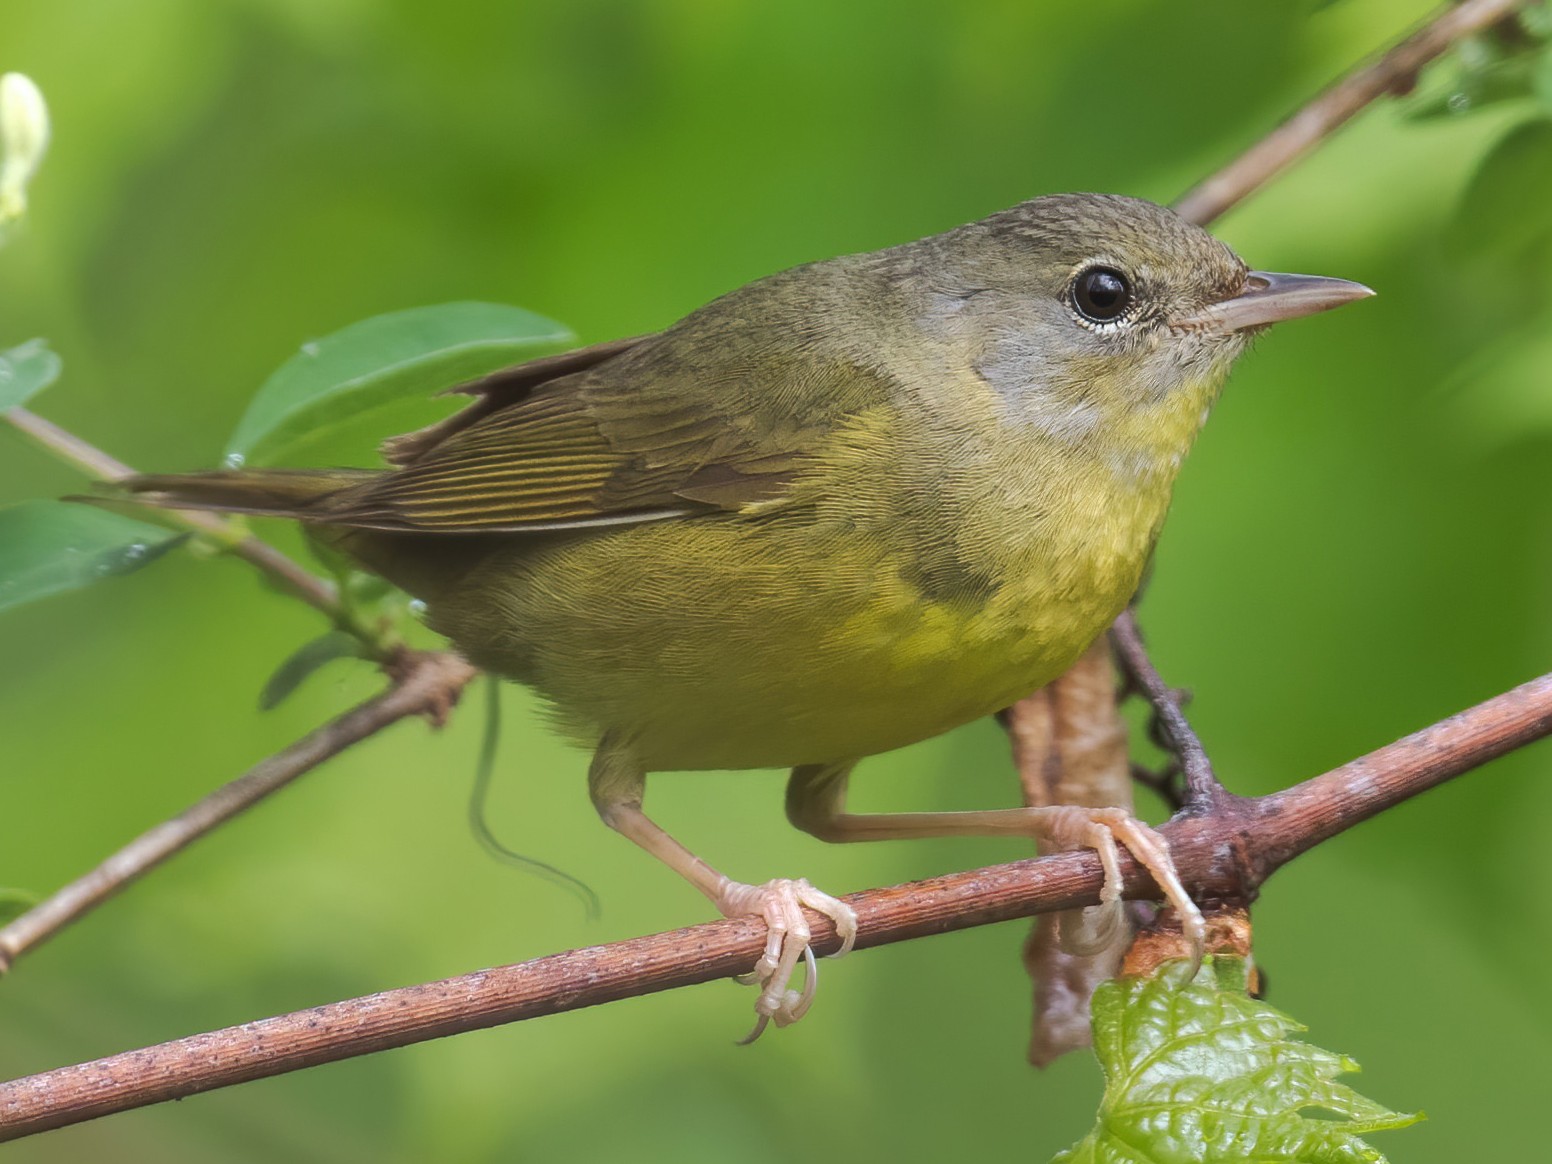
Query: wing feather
point(720, 413)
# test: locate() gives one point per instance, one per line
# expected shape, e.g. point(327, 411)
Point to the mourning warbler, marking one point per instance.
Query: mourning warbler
point(836, 511)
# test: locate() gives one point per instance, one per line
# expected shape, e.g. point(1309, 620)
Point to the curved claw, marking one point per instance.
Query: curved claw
point(794, 1004)
point(780, 903)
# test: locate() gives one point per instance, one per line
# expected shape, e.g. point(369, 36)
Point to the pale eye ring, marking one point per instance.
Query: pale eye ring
point(1101, 294)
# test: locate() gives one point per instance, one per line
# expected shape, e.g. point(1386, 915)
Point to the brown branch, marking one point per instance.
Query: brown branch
point(1171, 728)
point(1392, 72)
point(424, 683)
point(1214, 852)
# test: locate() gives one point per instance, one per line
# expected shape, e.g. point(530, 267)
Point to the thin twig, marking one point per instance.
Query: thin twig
point(1202, 787)
point(1208, 849)
point(424, 682)
point(68, 447)
point(230, 536)
point(1328, 112)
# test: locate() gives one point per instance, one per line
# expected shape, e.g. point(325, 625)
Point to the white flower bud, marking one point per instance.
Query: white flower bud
point(24, 134)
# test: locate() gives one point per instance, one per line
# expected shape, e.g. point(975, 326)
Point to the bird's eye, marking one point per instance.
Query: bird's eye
point(1101, 294)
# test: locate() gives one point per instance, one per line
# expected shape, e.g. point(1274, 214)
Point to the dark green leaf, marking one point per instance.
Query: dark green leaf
point(14, 903)
point(25, 371)
point(1541, 84)
point(303, 662)
point(1508, 205)
point(1198, 1070)
point(1492, 67)
point(47, 547)
point(384, 359)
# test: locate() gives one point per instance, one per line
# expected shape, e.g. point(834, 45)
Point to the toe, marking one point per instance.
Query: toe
point(788, 939)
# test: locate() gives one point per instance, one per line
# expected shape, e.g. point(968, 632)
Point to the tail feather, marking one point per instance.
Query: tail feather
point(295, 493)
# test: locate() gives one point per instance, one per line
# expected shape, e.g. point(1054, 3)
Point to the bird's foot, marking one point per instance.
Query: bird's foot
point(780, 903)
point(1101, 829)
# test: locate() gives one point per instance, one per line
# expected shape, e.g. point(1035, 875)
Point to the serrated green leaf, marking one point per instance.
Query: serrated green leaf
point(1198, 1071)
point(14, 903)
point(303, 662)
point(414, 353)
point(26, 370)
point(48, 547)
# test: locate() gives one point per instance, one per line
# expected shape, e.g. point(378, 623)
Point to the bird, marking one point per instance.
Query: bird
point(836, 511)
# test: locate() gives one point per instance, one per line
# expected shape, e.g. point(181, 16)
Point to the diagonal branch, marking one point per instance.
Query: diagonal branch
point(425, 683)
point(1213, 850)
point(1393, 72)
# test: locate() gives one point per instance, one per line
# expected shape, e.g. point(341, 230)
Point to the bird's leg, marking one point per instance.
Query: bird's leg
point(617, 783)
point(816, 803)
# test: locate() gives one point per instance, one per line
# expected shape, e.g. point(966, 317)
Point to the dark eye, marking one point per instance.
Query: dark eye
point(1101, 294)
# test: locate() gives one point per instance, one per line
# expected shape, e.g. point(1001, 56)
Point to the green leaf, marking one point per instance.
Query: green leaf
point(1500, 398)
point(14, 903)
point(1199, 1071)
point(47, 547)
point(303, 662)
point(1541, 83)
point(1508, 205)
point(25, 371)
point(1491, 69)
point(384, 359)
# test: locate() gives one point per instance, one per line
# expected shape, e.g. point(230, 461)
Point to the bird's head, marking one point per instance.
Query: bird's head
point(1091, 314)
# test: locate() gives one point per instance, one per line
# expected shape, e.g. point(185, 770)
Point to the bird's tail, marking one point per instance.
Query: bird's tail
point(295, 493)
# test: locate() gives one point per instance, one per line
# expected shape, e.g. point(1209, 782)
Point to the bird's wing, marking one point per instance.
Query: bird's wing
point(633, 431)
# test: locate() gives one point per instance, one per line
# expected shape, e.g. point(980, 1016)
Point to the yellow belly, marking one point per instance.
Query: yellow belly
point(726, 645)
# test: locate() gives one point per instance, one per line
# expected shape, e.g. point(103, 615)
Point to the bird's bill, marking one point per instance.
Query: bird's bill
point(1269, 297)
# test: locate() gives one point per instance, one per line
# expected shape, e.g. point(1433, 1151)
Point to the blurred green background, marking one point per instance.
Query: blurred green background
point(1359, 546)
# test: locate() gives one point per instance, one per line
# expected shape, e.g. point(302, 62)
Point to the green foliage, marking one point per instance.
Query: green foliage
point(47, 547)
point(1507, 208)
point(412, 353)
point(1500, 245)
point(1511, 63)
point(14, 903)
point(26, 370)
point(1198, 1072)
point(302, 662)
